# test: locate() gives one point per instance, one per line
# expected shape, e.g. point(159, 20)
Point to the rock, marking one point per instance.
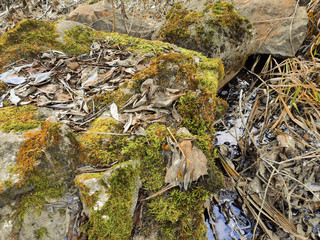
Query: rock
point(9, 147)
point(37, 181)
point(52, 222)
point(109, 200)
point(65, 25)
point(214, 29)
point(6, 222)
point(99, 16)
point(281, 26)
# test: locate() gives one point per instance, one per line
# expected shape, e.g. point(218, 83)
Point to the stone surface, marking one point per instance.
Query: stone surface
point(26, 208)
point(99, 16)
point(9, 147)
point(215, 29)
point(280, 26)
point(65, 25)
point(54, 219)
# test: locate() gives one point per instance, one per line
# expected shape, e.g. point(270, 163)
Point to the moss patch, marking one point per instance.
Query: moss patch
point(199, 105)
point(104, 148)
point(88, 198)
point(113, 221)
point(43, 176)
point(19, 119)
point(40, 233)
point(31, 151)
point(27, 39)
point(30, 37)
point(78, 40)
point(175, 214)
point(180, 214)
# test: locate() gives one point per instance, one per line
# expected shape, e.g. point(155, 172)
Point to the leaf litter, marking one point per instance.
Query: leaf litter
point(69, 86)
point(274, 158)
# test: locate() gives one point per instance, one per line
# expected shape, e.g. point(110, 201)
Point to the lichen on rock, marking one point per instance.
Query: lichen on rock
point(215, 29)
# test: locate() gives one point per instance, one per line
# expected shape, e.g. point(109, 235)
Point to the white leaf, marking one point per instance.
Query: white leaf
point(114, 111)
point(13, 97)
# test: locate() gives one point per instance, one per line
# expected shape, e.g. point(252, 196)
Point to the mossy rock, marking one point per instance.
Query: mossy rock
point(195, 75)
point(109, 199)
point(43, 170)
point(215, 29)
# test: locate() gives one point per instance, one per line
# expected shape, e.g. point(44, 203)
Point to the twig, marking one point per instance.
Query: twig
point(178, 145)
point(114, 16)
point(166, 188)
point(262, 205)
point(109, 133)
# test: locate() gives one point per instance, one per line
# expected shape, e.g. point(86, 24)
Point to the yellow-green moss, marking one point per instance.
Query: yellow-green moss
point(224, 14)
point(78, 40)
point(92, 1)
point(179, 213)
point(178, 20)
point(138, 45)
point(113, 221)
point(46, 187)
point(19, 119)
point(30, 37)
point(175, 214)
point(198, 108)
point(40, 233)
point(27, 39)
point(38, 173)
point(104, 148)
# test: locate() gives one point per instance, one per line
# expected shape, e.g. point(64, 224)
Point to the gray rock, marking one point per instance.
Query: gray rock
point(6, 222)
point(56, 160)
point(281, 26)
point(9, 147)
point(53, 220)
point(213, 28)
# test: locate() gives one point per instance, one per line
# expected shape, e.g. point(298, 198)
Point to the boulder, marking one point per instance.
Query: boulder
point(99, 16)
point(214, 28)
point(280, 26)
point(37, 198)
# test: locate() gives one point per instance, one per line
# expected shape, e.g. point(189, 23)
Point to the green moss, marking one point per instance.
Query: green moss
point(113, 221)
point(40, 233)
point(78, 40)
point(27, 39)
point(138, 45)
point(46, 186)
point(30, 37)
point(92, 1)
point(177, 25)
point(225, 15)
point(147, 150)
point(180, 214)
point(104, 148)
point(44, 177)
point(19, 119)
